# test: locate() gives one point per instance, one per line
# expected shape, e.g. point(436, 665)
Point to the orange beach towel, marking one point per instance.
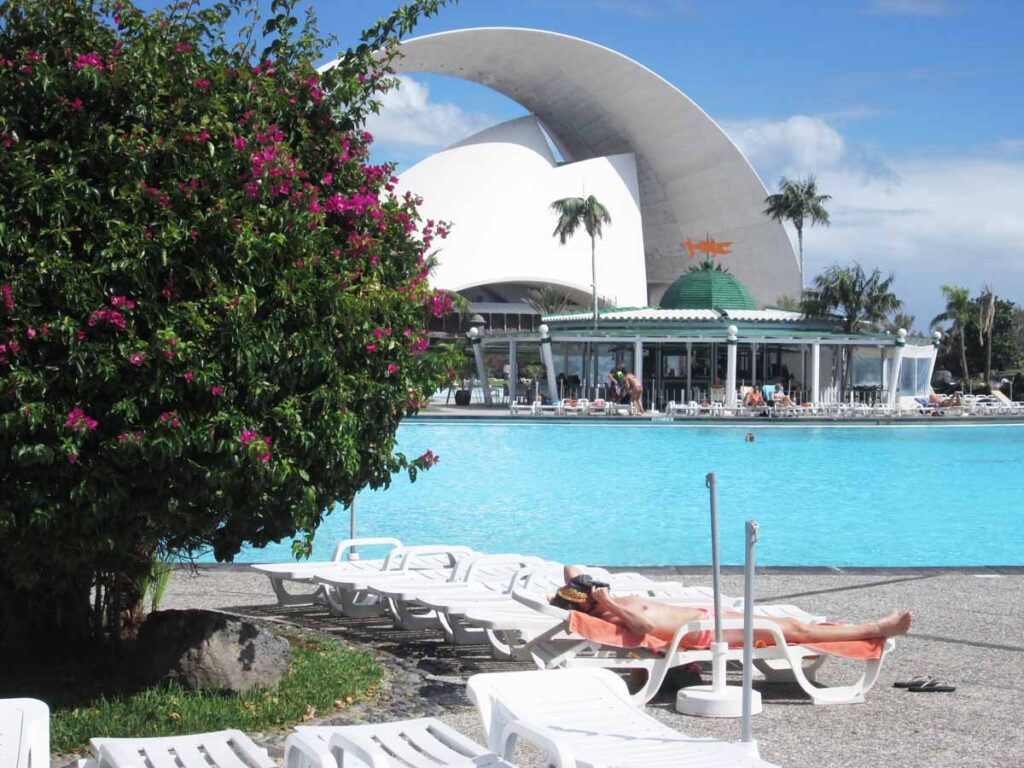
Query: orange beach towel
point(607, 633)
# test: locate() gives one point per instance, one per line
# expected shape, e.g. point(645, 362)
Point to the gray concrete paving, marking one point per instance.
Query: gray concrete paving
point(968, 629)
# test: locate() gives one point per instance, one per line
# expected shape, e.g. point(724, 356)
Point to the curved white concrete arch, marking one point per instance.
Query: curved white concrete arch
point(595, 103)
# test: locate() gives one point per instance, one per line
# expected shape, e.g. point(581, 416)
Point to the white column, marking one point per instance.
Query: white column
point(816, 373)
point(894, 370)
point(936, 343)
point(513, 372)
point(753, 364)
point(730, 368)
point(638, 360)
point(689, 370)
point(549, 363)
point(481, 369)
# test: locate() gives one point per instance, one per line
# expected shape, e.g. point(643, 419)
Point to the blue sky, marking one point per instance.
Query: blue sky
point(908, 111)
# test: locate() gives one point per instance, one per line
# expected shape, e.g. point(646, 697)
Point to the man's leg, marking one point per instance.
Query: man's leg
point(797, 632)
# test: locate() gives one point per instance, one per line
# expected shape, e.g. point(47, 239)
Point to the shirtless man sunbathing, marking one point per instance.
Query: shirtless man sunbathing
point(646, 616)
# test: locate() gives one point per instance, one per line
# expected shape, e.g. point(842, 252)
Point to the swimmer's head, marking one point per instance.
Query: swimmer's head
point(749, 438)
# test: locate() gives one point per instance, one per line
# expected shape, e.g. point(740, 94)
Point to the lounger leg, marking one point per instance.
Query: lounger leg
point(286, 598)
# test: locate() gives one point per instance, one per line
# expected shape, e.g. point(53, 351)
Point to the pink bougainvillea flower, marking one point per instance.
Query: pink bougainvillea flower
point(266, 439)
point(93, 60)
point(247, 436)
point(392, 368)
point(168, 355)
point(187, 376)
point(175, 422)
point(76, 105)
point(216, 390)
point(138, 358)
point(165, 417)
point(377, 333)
point(31, 333)
point(202, 83)
point(72, 458)
point(78, 421)
point(80, 335)
point(265, 457)
point(203, 135)
point(124, 437)
point(371, 347)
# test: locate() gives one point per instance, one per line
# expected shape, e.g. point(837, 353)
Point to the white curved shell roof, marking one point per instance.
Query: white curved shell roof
point(596, 103)
point(497, 188)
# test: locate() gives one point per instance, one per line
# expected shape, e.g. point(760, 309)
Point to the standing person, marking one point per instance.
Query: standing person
point(636, 392)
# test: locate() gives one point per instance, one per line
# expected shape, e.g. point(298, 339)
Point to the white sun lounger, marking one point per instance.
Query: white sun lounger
point(345, 588)
point(24, 733)
point(299, 572)
point(222, 749)
point(422, 743)
point(589, 715)
point(399, 593)
point(557, 647)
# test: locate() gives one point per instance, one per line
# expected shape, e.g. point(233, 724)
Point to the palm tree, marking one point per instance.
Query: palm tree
point(864, 299)
point(592, 215)
point(901, 320)
point(986, 323)
point(958, 309)
point(549, 300)
point(798, 201)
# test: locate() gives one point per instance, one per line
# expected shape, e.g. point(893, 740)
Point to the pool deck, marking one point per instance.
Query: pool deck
point(471, 413)
point(968, 630)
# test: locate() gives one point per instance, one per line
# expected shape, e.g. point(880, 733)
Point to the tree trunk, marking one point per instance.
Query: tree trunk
point(963, 355)
point(988, 359)
point(593, 275)
point(800, 243)
point(46, 617)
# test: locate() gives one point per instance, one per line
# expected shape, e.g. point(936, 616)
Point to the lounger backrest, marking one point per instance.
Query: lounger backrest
point(341, 548)
point(410, 556)
point(24, 733)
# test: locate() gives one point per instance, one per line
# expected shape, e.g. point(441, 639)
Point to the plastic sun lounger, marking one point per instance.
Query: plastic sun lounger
point(345, 589)
point(298, 572)
point(421, 743)
point(222, 749)
point(589, 715)
point(557, 647)
point(399, 593)
point(24, 733)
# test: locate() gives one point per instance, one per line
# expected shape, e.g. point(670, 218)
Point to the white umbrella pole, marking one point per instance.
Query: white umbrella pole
point(352, 554)
point(718, 648)
point(748, 637)
point(717, 699)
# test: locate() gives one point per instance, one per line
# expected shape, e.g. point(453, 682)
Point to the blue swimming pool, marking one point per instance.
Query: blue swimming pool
point(617, 494)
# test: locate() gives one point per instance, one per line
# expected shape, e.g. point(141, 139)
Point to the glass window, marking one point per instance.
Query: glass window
point(908, 376)
point(866, 368)
point(923, 364)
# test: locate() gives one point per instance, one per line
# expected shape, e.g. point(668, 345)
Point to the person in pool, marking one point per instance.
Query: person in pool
point(647, 616)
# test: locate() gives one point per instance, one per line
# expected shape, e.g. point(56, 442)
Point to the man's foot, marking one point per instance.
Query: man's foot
point(895, 624)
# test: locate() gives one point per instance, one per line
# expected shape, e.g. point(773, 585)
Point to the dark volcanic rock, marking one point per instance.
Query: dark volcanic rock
point(210, 650)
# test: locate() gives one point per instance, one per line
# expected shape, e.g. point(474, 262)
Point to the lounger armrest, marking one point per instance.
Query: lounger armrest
point(541, 737)
point(454, 553)
point(303, 751)
point(709, 624)
point(117, 756)
point(371, 754)
point(341, 546)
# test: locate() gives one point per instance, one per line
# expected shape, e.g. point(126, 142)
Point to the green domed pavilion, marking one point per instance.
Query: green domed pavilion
point(707, 289)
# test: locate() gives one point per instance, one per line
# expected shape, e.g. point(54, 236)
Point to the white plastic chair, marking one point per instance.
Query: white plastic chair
point(589, 715)
point(24, 733)
point(422, 743)
point(221, 749)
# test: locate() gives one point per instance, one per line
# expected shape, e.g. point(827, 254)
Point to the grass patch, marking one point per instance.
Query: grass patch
point(324, 676)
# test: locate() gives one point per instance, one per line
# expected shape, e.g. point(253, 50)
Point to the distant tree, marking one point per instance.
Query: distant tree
point(798, 201)
point(986, 318)
point(958, 312)
point(1007, 337)
point(863, 299)
point(549, 300)
point(574, 212)
point(900, 320)
point(787, 302)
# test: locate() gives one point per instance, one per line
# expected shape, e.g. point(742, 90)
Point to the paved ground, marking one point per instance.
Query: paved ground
point(969, 629)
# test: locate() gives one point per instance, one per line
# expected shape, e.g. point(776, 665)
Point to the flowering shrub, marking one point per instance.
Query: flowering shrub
point(212, 305)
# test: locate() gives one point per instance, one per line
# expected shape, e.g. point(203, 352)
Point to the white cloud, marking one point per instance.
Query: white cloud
point(912, 8)
point(409, 117)
point(933, 220)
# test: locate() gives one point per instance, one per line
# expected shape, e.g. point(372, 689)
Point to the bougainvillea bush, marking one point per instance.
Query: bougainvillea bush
point(212, 305)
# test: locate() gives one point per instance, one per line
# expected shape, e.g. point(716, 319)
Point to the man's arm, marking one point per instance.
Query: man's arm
point(632, 619)
point(570, 572)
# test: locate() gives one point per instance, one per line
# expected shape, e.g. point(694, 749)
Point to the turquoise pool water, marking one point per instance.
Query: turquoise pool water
point(635, 494)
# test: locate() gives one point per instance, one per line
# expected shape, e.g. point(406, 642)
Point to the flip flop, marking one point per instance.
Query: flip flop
point(919, 680)
point(933, 686)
